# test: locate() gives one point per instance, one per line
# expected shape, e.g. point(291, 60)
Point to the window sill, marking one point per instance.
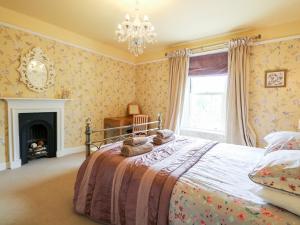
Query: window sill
point(212, 135)
point(203, 131)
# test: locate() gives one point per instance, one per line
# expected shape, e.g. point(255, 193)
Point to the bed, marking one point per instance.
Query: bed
point(186, 181)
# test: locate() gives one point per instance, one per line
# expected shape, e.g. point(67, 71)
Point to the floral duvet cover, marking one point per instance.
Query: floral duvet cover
point(217, 191)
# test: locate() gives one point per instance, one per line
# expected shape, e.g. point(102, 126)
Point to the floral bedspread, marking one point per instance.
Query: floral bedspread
point(217, 191)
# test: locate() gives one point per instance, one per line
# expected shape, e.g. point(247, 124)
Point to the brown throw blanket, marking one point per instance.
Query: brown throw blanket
point(165, 133)
point(112, 189)
point(160, 141)
point(128, 150)
point(134, 141)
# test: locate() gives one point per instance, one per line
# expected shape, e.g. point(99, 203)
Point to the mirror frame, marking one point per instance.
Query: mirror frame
point(36, 54)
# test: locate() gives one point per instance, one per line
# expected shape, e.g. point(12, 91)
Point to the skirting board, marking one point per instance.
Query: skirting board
point(3, 166)
point(71, 150)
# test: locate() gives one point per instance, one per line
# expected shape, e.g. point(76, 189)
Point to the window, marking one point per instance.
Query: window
point(204, 106)
point(205, 97)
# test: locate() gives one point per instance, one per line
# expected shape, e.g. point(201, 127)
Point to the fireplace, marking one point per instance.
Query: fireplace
point(36, 120)
point(38, 135)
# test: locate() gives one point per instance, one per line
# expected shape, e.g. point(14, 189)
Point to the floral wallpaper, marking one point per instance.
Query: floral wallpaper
point(271, 109)
point(152, 82)
point(100, 86)
point(274, 109)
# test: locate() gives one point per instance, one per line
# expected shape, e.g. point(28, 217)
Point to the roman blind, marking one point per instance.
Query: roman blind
point(216, 63)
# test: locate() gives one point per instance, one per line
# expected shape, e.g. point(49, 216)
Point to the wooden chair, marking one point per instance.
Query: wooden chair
point(140, 119)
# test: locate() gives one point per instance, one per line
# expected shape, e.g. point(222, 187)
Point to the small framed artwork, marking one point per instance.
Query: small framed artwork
point(274, 79)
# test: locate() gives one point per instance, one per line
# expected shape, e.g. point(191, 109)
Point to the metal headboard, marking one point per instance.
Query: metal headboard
point(89, 132)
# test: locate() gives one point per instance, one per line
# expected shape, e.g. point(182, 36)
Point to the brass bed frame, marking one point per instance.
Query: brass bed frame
point(97, 144)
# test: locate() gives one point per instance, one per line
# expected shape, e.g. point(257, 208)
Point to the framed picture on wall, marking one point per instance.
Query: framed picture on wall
point(275, 79)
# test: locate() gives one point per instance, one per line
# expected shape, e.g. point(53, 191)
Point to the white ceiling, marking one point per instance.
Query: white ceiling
point(175, 20)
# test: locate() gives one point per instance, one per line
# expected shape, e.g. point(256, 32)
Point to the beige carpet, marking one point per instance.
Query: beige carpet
point(40, 193)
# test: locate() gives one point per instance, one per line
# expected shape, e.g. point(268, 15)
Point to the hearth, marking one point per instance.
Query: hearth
point(38, 135)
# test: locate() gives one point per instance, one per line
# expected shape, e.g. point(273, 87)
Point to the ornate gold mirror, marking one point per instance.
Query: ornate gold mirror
point(36, 70)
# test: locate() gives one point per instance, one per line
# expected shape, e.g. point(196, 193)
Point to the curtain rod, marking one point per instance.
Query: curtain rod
point(206, 48)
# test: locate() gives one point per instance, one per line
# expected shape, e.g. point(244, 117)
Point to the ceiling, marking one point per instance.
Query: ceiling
point(175, 21)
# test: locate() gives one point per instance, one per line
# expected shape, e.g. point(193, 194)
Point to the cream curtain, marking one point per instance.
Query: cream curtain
point(178, 71)
point(238, 129)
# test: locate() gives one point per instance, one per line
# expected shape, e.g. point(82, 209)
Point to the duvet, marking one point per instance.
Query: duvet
point(186, 181)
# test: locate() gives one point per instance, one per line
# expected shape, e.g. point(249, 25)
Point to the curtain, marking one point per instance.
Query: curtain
point(178, 71)
point(238, 129)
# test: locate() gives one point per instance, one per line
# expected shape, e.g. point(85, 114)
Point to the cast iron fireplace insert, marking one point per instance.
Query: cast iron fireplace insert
point(38, 135)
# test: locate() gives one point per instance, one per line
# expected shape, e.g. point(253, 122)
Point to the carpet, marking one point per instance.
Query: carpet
point(41, 192)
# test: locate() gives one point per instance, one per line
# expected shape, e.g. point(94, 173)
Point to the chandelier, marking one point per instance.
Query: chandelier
point(137, 31)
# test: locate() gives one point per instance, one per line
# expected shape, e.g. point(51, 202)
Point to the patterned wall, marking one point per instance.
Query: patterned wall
point(152, 82)
point(100, 86)
point(274, 109)
point(271, 109)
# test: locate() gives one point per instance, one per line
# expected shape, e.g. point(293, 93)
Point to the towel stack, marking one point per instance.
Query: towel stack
point(163, 136)
point(135, 146)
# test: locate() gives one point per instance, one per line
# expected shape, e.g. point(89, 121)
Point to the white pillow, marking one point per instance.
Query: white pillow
point(290, 144)
point(281, 199)
point(280, 136)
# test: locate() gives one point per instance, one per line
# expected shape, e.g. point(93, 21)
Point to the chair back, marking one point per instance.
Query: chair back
point(140, 119)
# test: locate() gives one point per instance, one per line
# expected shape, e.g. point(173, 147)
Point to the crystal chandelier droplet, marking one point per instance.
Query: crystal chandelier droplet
point(137, 32)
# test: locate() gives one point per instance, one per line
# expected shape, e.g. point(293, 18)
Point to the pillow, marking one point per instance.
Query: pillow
point(279, 170)
point(276, 137)
point(280, 199)
point(290, 144)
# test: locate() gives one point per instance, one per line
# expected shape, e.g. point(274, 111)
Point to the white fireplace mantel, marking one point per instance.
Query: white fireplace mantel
point(31, 105)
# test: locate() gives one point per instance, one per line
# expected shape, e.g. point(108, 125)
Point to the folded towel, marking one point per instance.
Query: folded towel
point(135, 141)
point(159, 141)
point(165, 133)
point(128, 150)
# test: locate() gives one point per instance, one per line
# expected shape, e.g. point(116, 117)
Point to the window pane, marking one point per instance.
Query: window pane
point(204, 106)
point(208, 84)
point(206, 112)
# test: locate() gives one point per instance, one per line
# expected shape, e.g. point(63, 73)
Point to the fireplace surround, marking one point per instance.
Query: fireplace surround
point(17, 106)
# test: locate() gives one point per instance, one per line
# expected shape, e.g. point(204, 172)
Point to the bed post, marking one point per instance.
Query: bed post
point(159, 121)
point(88, 132)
